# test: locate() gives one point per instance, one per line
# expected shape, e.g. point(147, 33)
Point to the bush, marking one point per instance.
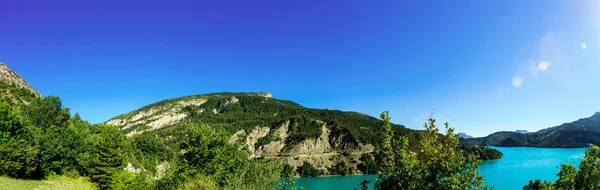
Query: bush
point(288, 171)
point(308, 170)
point(340, 168)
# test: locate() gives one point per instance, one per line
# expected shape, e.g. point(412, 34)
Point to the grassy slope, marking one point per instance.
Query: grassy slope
point(53, 182)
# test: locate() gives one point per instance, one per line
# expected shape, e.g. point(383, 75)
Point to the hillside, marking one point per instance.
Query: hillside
point(268, 126)
point(210, 136)
point(579, 133)
point(13, 88)
point(11, 77)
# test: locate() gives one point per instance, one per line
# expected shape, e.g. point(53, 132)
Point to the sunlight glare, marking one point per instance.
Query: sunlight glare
point(543, 66)
point(517, 81)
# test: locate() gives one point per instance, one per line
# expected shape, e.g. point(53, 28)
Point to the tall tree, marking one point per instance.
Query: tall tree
point(108, 156)
point(441, 164)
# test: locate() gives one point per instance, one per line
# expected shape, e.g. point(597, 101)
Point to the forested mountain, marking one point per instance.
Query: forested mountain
point(194, 142)
point(270, 127)
point(464, 135)
point(579, 133)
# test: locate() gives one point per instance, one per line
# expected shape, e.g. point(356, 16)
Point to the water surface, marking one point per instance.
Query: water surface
point(515, 169)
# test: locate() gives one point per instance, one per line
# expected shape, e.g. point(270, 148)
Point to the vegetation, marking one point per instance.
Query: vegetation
point(440, 165)
point(341, 168)
point(482, 153)
point(52, 182)
point(308, 170)
point(253, 110)
point(538, 185)
point(587, 176)
point(576, 134)
point(40, 140)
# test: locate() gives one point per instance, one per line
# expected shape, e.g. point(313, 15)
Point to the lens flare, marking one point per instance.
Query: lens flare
point(543, 66)
point(517, 81)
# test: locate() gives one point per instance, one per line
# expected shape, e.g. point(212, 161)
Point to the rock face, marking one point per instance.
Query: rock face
point(156, 117)
point(266, 94)
point(13, 78)
point(323, 152)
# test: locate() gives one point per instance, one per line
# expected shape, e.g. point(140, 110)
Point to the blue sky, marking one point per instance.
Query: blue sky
point(482, 66)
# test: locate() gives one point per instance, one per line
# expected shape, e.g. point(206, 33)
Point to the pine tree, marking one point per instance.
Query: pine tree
point(109, 155)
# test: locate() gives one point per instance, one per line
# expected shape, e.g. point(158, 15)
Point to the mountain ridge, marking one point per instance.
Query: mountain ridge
point(9, 76)
point(576, 134)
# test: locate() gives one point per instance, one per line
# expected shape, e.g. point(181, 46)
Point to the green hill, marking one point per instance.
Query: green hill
point(270, 127)
point(576, 134)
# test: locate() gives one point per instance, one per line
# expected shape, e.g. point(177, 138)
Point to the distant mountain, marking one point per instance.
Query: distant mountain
point(521, 131)
point(579, 133)
point(464, 135)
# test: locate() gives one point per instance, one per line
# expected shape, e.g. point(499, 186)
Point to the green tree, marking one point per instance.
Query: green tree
point(108, 156)
point(566, 177)
point(288, 171)
point(441, 164)
point(19, 155)
point(538, 185)
point(587, 177)
point(308, 170)
point(209, 154)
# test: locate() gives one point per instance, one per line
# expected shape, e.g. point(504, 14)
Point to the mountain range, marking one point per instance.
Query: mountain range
point(576, 134)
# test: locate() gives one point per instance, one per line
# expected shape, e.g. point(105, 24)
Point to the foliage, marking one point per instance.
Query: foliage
point(440, 165)
point(308, 170)
point(482, 153)
point(566, 176)
point(586, 177)
point(124, 180)
point(367, 164)
point(266, 140)
point(52, 182)
point(340, 168)
point(108, 157)
point(287, 171)
point(15, 95)
point(538, 185)
point(208, 153)
point(148, 150)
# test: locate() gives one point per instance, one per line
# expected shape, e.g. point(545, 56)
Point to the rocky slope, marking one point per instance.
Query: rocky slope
point(11, 77)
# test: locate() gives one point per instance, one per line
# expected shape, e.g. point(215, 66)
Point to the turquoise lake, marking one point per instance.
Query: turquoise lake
point(515, 169)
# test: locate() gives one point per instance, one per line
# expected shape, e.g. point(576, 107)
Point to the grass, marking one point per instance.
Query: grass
point(53, 182)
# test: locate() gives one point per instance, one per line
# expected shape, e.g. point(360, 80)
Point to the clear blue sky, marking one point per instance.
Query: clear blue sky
point(477, 64)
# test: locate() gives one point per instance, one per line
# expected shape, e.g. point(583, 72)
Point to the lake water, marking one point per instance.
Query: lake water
point(515, 169)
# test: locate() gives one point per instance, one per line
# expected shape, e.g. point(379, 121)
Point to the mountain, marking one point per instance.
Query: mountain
point(270, 127)
point(579, 133)
point(464, 135)
point(11, 77)
point(521, 131)
point(14, 88)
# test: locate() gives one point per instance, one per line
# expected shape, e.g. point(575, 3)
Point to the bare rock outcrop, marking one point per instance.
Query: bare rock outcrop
point(13, 78)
